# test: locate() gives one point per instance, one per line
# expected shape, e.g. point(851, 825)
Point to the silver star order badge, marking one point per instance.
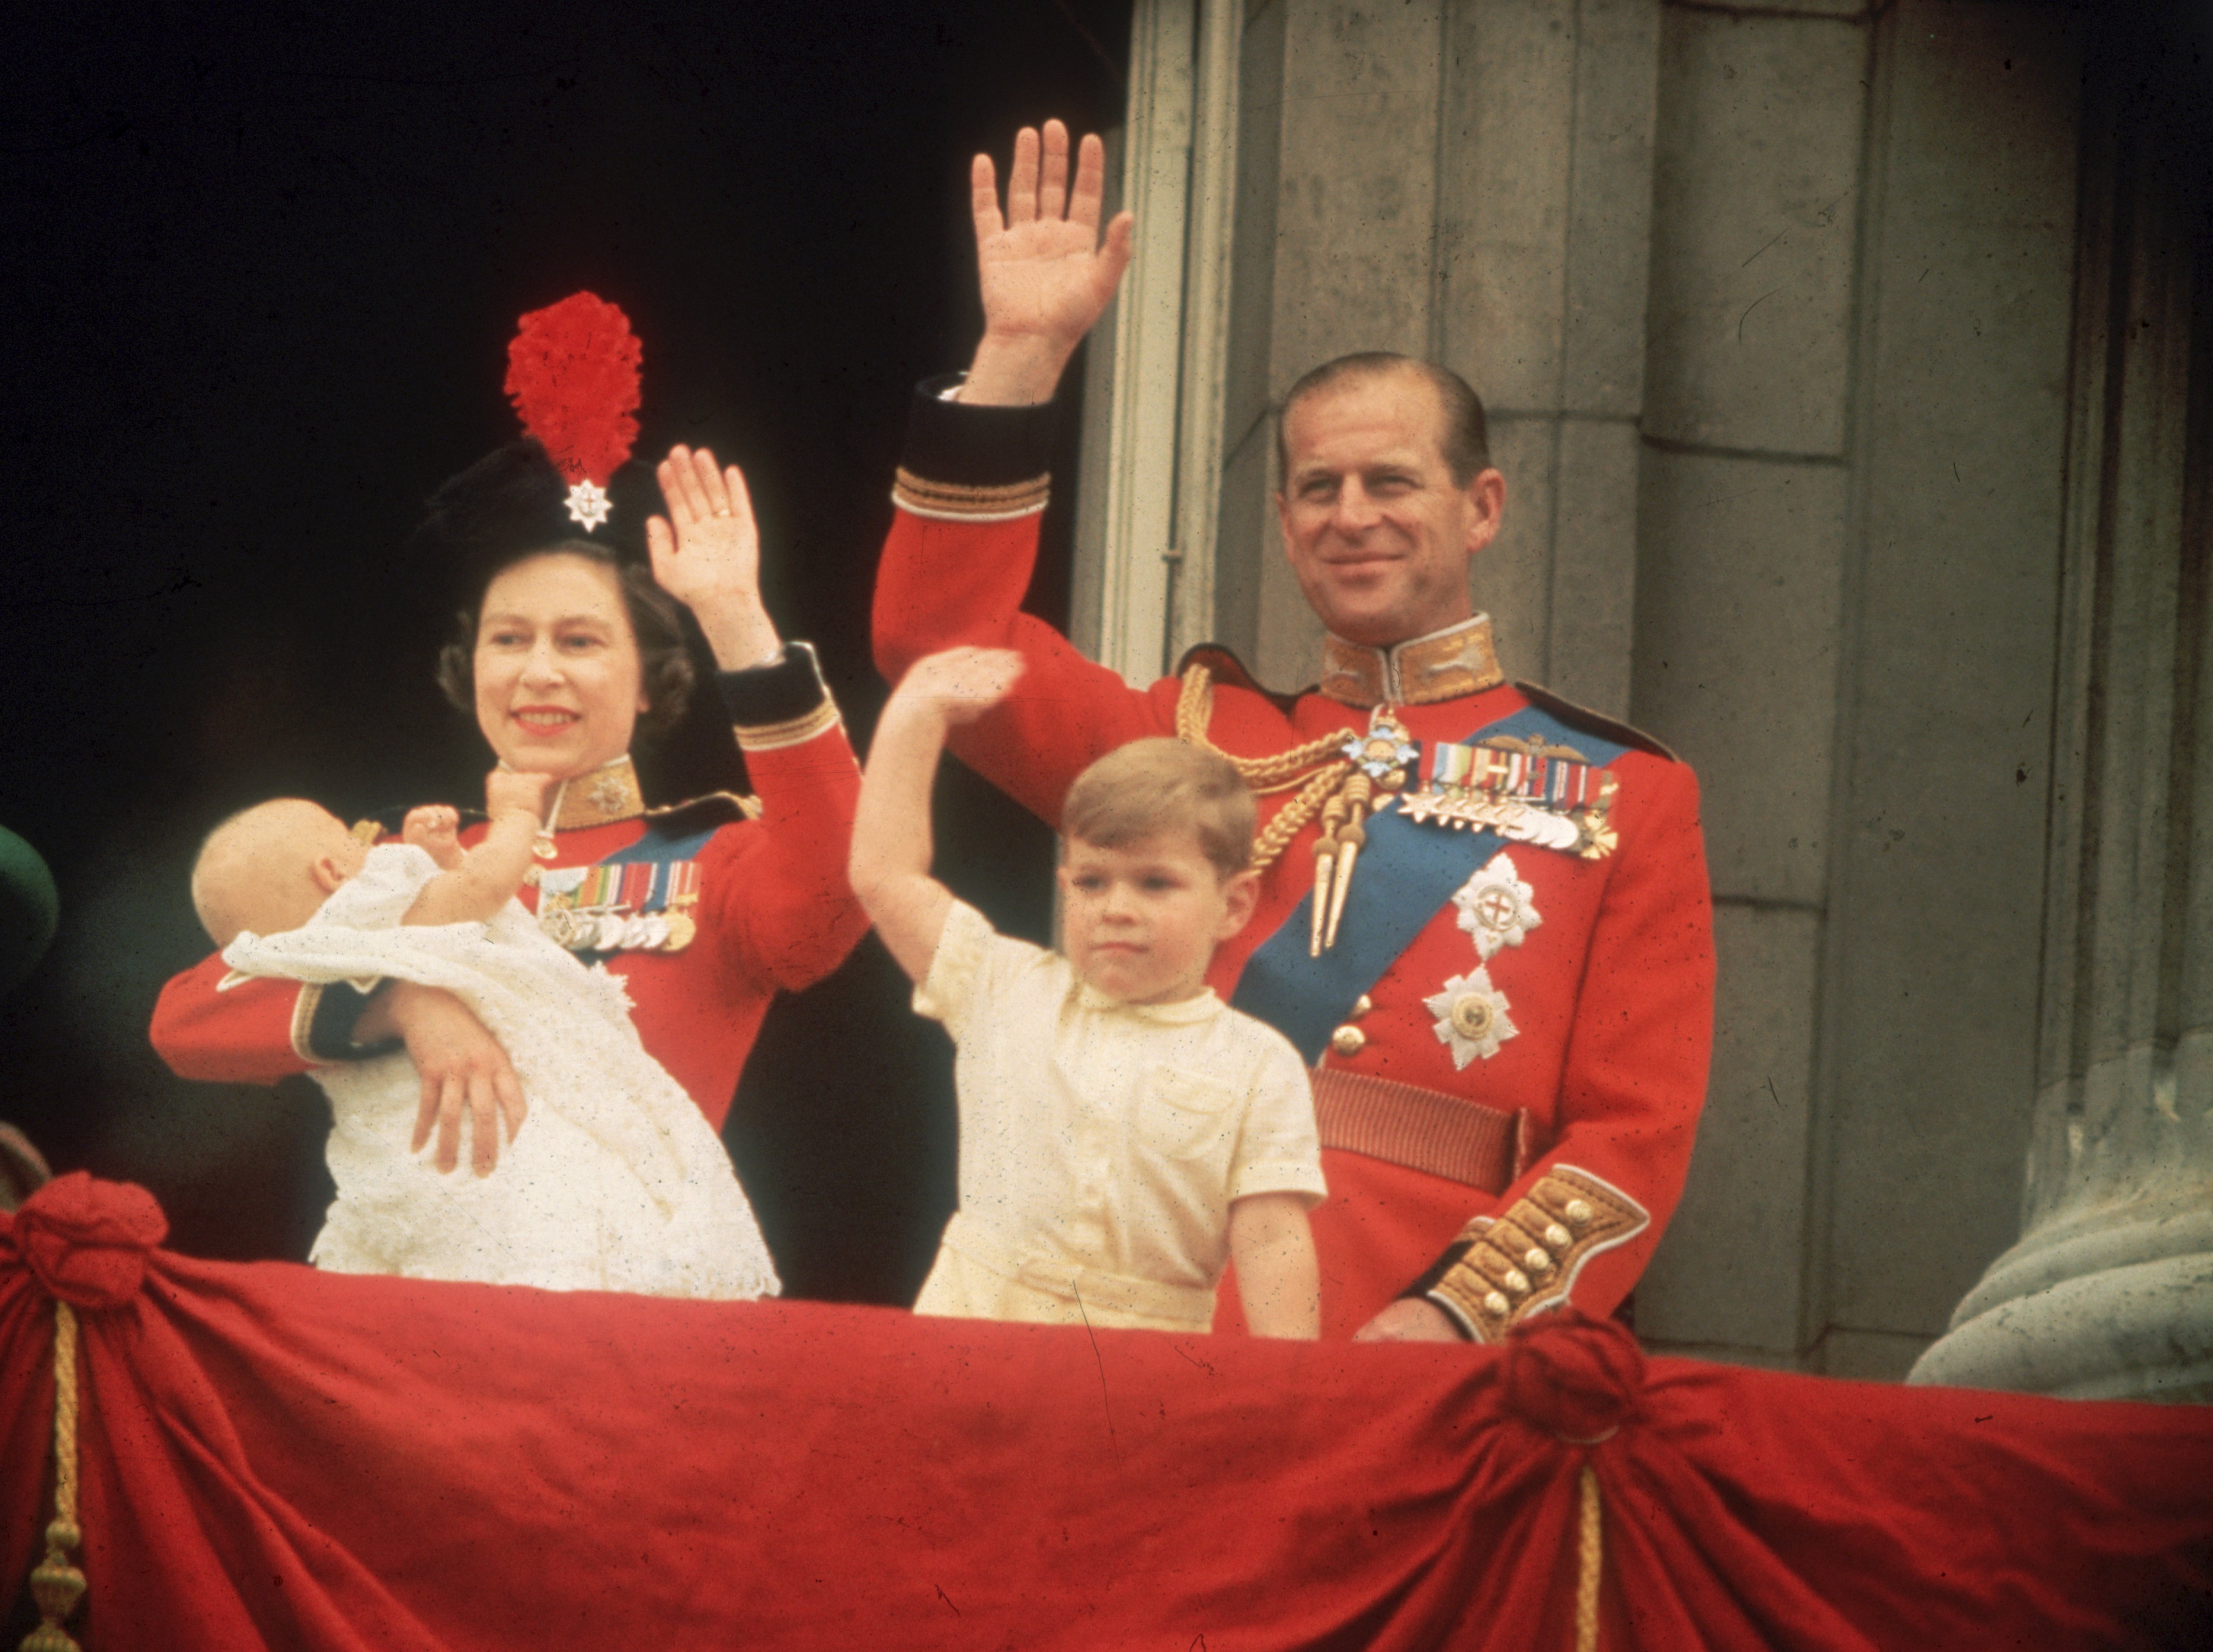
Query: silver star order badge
point(1496, 907)
point(587, 505)
point(1471, 1019)
point(607, 795)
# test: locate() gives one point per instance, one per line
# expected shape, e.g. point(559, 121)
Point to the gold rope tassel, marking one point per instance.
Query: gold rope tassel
point(1350, 836)
point(1294, 815)
point(1589, 1551)
point(57, 1585)
point(1324, 854)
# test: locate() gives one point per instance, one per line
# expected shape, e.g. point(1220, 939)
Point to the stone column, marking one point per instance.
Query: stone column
point(1544, 238)
point(1743, 522)
point(1848, 561)
point(1468, 180)
point(2109, 1292)
point(1337, 150)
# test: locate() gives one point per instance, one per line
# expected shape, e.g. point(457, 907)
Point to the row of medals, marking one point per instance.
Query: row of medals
point(608, 928)
point(1515, 818)
point(1390, 756)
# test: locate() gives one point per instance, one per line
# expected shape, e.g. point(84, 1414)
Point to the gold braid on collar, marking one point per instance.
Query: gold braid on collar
point(607, 794)
point(1442, 665)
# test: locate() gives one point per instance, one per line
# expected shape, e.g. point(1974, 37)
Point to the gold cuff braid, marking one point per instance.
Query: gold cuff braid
point(303, 1022)
point(795, 731)
point(1525, 1260)
point(956, 502)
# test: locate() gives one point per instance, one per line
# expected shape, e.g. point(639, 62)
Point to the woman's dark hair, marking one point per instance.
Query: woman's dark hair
point(664, 668)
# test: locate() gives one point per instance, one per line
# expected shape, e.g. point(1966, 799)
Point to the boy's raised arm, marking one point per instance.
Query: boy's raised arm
point(892, 845)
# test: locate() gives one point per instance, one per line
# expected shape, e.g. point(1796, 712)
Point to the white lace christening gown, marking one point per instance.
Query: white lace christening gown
point(615, 1181)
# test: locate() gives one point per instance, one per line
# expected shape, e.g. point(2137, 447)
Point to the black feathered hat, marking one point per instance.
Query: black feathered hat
point(572, 373)
point(573, 376)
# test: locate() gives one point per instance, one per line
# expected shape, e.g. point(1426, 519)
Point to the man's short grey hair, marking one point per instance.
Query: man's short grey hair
point(1462, 437)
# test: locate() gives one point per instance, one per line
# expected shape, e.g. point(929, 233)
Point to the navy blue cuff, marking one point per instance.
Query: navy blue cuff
point(976, 447)
point(330, 1029)
point(789, 686)
point(1419, 1291)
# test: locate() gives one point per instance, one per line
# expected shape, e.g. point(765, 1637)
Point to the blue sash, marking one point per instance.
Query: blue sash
point(654, 845)
point(1407, 873)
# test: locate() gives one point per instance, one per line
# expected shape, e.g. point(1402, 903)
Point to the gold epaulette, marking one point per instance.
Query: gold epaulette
point(1525, 1260)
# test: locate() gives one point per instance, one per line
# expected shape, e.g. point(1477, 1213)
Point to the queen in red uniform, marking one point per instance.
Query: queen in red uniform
point(565, 656)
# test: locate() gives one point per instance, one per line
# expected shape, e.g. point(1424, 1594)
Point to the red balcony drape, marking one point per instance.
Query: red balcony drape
point(275, 1457)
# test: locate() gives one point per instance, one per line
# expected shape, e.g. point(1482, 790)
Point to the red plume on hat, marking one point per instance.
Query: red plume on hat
point(572, 375)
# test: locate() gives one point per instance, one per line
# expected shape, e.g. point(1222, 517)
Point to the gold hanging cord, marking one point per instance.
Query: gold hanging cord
point(1590, 1538)
point(56, 1585)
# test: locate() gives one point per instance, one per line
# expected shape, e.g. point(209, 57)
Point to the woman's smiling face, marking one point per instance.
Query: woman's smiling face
point(559, 683)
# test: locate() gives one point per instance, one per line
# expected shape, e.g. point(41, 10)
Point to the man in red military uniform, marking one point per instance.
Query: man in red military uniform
point(1484, 915)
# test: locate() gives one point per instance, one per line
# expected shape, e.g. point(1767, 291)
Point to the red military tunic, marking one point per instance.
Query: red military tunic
point(1584, 1109)
point(774, 911)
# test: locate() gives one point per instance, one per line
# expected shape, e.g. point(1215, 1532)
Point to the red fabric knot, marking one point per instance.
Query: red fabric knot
point(87, 1241)
point(1575, 1378)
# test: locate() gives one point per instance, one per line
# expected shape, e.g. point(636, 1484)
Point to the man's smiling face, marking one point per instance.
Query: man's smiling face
point(1378, 533)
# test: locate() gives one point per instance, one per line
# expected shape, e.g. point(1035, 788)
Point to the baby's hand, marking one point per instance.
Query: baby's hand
point(509, 788)
point(963, 683)
point(431, 828)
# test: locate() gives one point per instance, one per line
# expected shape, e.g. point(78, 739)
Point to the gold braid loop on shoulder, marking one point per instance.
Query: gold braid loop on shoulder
point(1317, 767)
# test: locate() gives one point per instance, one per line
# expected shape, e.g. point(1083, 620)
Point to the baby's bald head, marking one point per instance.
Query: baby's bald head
point(268, 867)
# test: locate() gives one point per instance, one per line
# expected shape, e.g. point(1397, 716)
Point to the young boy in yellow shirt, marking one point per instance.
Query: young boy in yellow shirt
point(1124, 1133)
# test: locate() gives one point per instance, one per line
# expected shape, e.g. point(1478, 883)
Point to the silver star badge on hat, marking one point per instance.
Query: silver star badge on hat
point(588, 505)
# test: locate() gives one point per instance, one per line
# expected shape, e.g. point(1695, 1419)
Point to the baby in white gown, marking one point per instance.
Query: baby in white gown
point(614, 1180)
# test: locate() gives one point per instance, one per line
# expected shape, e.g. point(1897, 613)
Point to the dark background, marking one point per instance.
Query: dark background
point(262, 271)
